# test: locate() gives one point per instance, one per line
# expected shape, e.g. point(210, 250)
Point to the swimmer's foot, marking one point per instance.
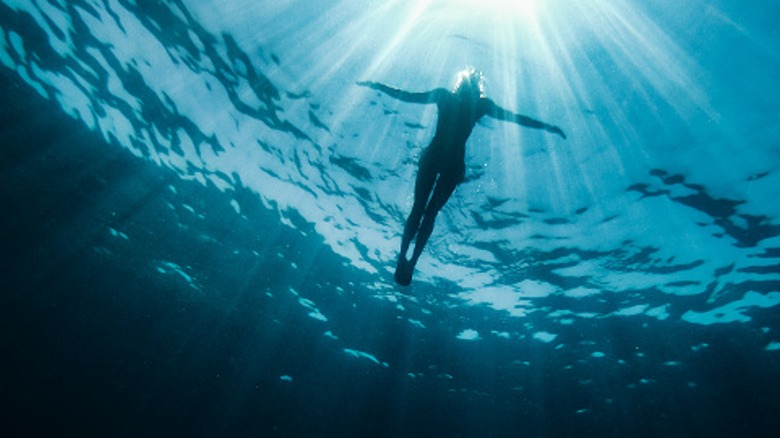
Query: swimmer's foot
point(403, 271)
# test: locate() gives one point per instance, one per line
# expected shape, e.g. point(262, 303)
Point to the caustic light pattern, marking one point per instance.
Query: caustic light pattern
point(659, 207)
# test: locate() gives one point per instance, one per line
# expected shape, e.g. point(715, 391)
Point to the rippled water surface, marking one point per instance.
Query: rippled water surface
point(203, 211)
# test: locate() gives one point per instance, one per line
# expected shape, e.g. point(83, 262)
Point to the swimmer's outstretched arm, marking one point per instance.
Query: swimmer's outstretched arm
point(499, 113)
point(432, 96)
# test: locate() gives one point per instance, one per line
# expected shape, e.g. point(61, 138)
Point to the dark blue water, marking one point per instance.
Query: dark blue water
point(202, 211)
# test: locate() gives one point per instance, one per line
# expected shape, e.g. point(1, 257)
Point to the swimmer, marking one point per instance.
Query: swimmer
point(442, 164)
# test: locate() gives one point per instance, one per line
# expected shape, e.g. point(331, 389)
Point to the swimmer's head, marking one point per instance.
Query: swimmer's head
point(470, 83)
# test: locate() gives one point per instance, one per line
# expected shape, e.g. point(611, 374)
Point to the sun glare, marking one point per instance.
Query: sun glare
point(509, 9)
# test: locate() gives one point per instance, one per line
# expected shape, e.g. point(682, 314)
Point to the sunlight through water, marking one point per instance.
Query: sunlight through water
point(655, 215)
point(628, 95)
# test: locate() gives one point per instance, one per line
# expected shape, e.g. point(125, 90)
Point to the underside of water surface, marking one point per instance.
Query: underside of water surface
point(203, 209)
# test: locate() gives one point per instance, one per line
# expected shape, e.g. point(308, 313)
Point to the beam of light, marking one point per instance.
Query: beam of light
point(590, 68)
point(607, 72)
point(513, 10)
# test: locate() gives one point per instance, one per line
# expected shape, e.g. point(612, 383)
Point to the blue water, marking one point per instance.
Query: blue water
point(202, 213)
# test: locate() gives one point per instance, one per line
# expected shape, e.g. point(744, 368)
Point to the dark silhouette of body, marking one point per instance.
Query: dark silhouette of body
point(442, 165)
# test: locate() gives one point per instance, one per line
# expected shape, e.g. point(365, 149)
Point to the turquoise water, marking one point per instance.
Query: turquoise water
point(204, 212)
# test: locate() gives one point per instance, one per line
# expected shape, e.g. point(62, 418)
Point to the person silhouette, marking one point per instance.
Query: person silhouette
point(442, 164)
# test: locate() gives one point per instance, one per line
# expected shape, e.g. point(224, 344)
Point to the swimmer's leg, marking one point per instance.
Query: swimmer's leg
point(441, 194)
point(426, 177)
point(403, 271)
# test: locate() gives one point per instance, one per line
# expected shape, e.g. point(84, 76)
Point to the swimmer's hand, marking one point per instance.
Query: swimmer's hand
point(556, 130)
point(366, 84)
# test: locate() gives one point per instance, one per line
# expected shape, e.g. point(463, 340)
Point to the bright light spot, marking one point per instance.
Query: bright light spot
point(519, 7)
point(545, 337)
point(523, 7)
point(468, 335)
point(509, 9)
